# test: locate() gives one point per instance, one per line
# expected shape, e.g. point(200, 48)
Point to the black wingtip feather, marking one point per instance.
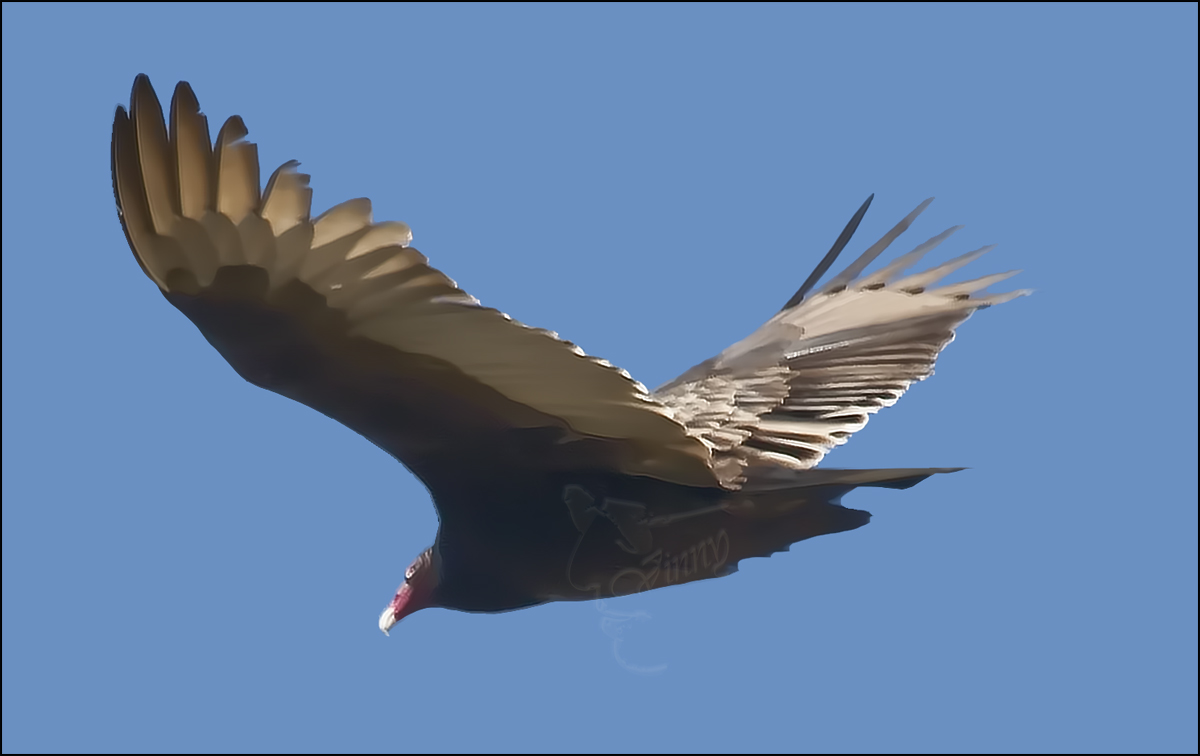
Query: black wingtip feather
point(842, 240)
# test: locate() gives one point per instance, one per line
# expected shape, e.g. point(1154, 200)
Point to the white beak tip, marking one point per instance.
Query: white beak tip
point(387, 620)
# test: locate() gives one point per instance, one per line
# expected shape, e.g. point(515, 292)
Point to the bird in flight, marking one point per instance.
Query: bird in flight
point(556, 476)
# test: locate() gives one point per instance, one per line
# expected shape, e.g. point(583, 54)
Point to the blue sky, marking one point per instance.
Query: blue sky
point(191, 563)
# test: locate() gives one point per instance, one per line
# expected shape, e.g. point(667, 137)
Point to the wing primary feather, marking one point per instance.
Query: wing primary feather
point(237, 171)
point(839, 281)
point(920, 281)
point(975, 284)
point(906, 261)
point(995, 299)
point(192, 147)
point(129, 194)
point(158, 173)
point(287, 200)
point(842, 240)
point(156, 254)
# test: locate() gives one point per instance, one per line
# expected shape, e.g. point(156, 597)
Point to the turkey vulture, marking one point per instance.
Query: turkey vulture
point(556, 475)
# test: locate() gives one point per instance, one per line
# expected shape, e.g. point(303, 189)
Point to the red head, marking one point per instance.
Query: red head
point(415, 593)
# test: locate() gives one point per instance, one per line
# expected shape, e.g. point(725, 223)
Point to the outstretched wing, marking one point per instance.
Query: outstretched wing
point(812, 375)
point(339, 313)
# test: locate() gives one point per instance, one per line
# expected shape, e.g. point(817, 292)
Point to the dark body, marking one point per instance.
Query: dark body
point(578, 536)
point(522, 520)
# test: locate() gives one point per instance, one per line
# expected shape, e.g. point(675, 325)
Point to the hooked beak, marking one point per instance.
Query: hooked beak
point(400, 607)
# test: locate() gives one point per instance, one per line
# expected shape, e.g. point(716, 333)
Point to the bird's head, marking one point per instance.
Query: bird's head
point(416, 592)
